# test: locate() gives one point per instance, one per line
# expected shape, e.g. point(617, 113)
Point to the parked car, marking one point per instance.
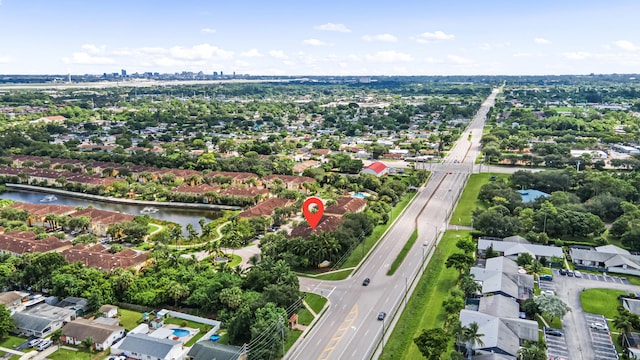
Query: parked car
point(366, 281)
point(546, 277)
point(569, 272)
point(382, 315)
point(44, 344)
point(562, 272)
point(547, 293)
point(598, 326)
point(577, 274)
point(552, 332)
point(34, 342)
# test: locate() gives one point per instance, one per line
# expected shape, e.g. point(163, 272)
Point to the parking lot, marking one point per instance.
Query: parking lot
point(601, 340)
point(546, 285)
point(556, 346)
point(599, 277)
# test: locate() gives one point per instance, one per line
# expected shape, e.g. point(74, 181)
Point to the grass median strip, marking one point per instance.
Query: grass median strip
point(403, 253)
point(424, 308)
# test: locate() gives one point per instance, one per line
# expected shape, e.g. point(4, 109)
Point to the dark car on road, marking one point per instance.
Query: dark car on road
point(552, 332)
point(562, 272)
point(546, 277)
point(366, 281)
point(382, 315)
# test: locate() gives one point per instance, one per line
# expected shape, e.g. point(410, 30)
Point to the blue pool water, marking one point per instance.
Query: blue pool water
point(181, 332)
point(359, 195)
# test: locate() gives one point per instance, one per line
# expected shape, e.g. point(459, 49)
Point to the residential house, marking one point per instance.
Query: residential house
point(103, 335)
point(375, 168)
point(109, 311)
point(99, 257)
point(12, 300)
point(609, 258)
point(254, 193)
point(500, 276)
point(327, 223)
point(346, 204)
point(38, 212)
point(102, 219)
point(308, 164)
point(144, 347)
point(77, 304)
point(41, 320)
point(295, 183)
point(23, 242)
point(208, 350)
point(512, 250)
point(502, 330)
point(266, 208)
point(234, 178)
point(196, 190)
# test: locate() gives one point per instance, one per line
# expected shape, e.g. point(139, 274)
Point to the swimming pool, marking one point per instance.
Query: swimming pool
point(359, 195)
point(181, 332)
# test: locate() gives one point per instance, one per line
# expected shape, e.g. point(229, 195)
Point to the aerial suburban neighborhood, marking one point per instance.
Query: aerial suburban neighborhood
point(319, 180)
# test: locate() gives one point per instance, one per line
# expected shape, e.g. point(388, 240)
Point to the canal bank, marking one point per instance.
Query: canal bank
point(177, 205)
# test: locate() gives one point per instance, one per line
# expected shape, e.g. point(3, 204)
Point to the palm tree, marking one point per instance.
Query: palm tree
point(87, 343)
point(622, 322)
point(472, 337)
point(56, 337)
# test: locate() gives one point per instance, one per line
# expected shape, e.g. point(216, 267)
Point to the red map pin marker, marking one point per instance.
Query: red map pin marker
point(313, 218)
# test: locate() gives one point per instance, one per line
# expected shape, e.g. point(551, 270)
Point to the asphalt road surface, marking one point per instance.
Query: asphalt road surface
point(349, 329)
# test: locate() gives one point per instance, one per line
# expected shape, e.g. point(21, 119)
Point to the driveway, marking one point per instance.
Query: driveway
point(575, 326)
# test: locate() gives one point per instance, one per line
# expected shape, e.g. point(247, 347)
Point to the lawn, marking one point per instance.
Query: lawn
point(469, 198)
point(291, 338)
point(153, 227)
point(11, 341)
point(81, 354)
point(601, 301)
point(315, 302)
point(403, 253)
point(371, 240)
point(235, 260)
point(338, 275)
point(305, 317)
point(129, 318)
point(424, 309)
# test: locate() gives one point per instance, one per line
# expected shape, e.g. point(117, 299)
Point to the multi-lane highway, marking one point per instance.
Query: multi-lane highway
point(349, 329)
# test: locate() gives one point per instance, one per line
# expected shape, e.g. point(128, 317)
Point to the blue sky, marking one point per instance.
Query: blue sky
point(280, 37)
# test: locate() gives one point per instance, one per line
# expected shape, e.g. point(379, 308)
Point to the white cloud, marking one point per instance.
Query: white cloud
point(627, 45)
point(380, 37)
point(389, 56)
point(93, 49)
point(577, 55)
point(252, 53)
point(428, 37)
point(208, 30)
point(200, 52)
point(242, 63)
point(522, 54)
point(459, 59)
point(278, 54)
point(432, 60)
point(541, 41)
point(6, 59)
point(314, 42)
point(87, 59)
point(333, 27)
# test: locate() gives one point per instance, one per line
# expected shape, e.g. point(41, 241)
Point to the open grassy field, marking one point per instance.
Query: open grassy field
point(469, 198)
point(315, 302)
point(129, 319)
point(601, 301)
point(424, 309)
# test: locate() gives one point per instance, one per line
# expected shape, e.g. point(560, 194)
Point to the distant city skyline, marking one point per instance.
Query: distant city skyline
point(284, 37)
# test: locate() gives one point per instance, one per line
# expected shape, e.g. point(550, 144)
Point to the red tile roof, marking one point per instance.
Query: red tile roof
point(103, 216)
point(289, 179)
point(196, 189)
point(98, 256)
point(243, 192)
point(327, 223)
point(22, 242)
point(265, 208)
point(346, 204)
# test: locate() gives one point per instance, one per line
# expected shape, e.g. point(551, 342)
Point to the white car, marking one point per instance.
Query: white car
point(598, 326)
point(577, 274)
point(547, 293)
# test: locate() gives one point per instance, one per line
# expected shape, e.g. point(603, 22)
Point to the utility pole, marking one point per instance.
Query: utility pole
point(281, 333)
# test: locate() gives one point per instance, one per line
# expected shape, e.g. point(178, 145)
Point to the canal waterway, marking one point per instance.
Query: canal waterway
point(176, 215)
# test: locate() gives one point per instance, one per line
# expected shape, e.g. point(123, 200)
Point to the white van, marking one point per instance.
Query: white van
point(44, 344)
